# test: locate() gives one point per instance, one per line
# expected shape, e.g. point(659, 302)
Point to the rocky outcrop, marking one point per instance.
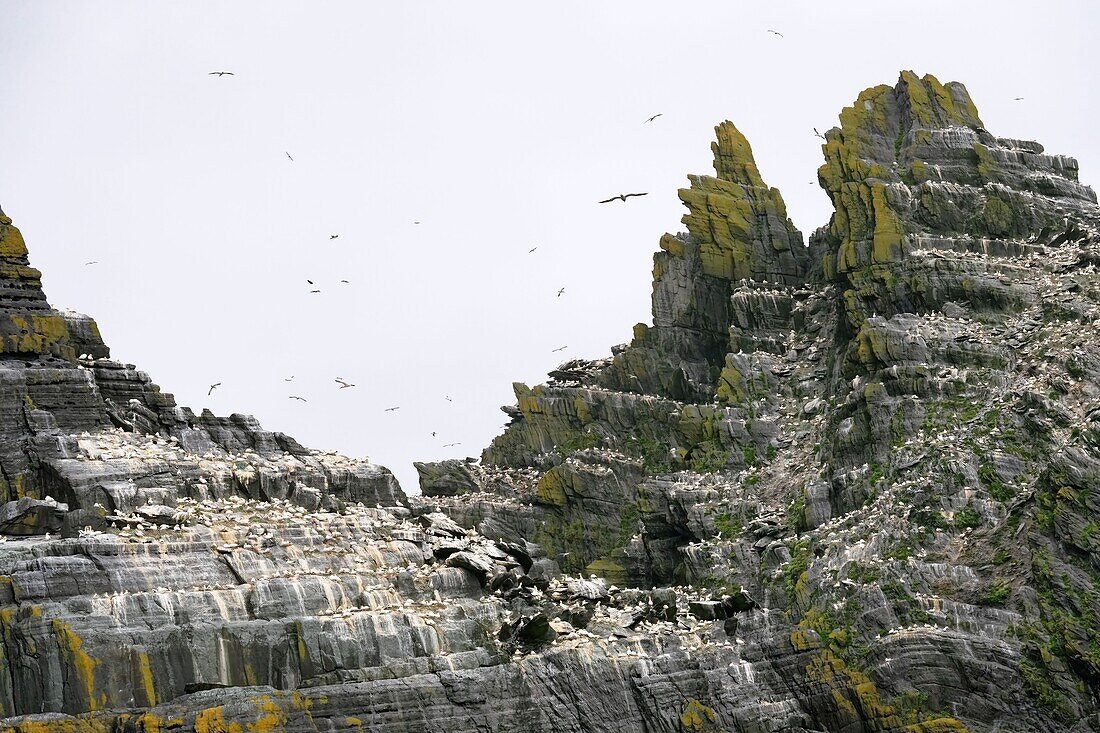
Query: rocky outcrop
point(847, 486)
point(882, 438)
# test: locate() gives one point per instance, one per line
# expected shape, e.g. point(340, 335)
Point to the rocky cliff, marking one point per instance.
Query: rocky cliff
point(848, 485)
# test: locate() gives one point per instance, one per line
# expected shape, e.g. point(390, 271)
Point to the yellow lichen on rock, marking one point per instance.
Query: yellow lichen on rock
point(142, 675)
point(82, 665)
point(11, 240)
point(698, 718)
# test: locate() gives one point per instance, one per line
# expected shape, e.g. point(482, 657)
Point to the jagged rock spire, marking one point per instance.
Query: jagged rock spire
point(740, 224)
point(28, 324)
point(912, 164)
point(738, 230)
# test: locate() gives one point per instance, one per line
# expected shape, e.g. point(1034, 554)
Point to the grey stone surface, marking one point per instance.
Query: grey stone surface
point(850, 486)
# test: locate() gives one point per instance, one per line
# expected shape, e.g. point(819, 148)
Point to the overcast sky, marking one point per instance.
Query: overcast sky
point(496, 126)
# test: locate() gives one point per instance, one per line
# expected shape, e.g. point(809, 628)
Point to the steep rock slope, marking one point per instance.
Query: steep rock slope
point(889, 439)
point(847, 486)
point(213, 576)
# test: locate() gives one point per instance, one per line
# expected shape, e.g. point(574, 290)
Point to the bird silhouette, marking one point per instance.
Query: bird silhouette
point(343, 384)
point(776, 33)
point(818, 134)
point(560, 292)
point(300, 399)
point(345, 282)
point(531, 250)
point(447, 398)
point(448, 445)
point(334, 236)
point(291, 379)
point(315, 291)
point(289, 156)
point(563, 348)
point(433, 433)
point(391, 409)
point(212, 388)
point(659, 114)
point(622, 197)
point(92, 262)
point(1017, 99)
point(221, 73)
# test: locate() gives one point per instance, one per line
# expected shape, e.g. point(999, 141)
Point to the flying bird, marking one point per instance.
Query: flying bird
point(531, 250)
point(212, 388)
point(289, 156)
point(622, 197)
point(314, 291)
point(416, 222)
point(334, 236)
point(560, 292)
point(93, 262)
point(1017, 99)
point(818, 134)
point(391, 409)
point(563, 348)
point(300, 399)
point(345, 282)
point(447, 398)
point(448, 445)
point(289, 380)
point(775, 32)
point(343, 384)
point(309, 281)
point(433, 433)
point(221, 73)
point(659, 114)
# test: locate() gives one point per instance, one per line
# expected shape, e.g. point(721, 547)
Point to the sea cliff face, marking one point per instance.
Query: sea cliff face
point(849, 484)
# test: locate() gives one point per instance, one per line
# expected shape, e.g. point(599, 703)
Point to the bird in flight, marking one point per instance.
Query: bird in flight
point(622, 197)
point(345, 282)
point(416, 222)
point(300, 399)
point(391, 409)
point(289, 156)
point(289, 380)
point(447, 398)
point(531, 250)
point(93, 262)
point(334, 236)
point(1017, 99)
point(433, 433)
point(818, 134)
point(659, 114)
point(315, 291)
point(560, 292)
point(775, 32)
point(563, 348)
point(221, 73)
point(448, 445)
point(212, 388)
point(343, 384)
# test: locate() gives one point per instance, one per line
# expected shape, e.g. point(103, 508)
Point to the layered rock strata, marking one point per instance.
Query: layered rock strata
point(846, 486)
point(886, 437)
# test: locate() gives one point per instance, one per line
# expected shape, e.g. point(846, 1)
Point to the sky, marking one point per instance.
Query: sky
point(441, 142)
